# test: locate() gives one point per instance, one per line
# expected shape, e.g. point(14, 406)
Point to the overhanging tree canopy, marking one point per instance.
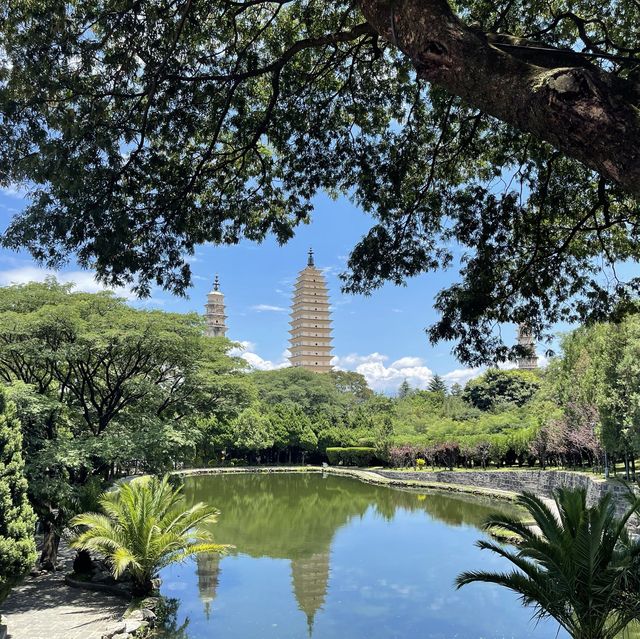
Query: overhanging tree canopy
point(503, 138)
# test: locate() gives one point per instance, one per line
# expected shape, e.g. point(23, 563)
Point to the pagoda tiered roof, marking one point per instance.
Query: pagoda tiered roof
point(310, 341)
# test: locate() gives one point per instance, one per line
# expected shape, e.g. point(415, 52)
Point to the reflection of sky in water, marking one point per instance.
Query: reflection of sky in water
point(375, 577)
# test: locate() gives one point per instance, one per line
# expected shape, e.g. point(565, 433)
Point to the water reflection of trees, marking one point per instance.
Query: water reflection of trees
point(296, 517)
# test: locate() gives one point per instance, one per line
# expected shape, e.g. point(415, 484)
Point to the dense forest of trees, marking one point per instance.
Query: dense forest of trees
point(102, 390)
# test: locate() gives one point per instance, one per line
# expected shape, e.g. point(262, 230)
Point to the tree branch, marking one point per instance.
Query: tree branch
point(585, 112)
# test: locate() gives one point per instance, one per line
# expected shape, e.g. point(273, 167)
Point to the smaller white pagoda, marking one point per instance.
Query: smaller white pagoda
point(214, 312)
point(526, 341)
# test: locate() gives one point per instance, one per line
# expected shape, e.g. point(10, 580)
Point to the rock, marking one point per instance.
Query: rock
point(3, 632)
point(118, 629)
point(150, 617)
point(121, 635)
point(142, 614)
point(133, 625)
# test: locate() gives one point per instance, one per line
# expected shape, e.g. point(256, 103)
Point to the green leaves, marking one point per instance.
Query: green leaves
point(17, 523)
point(143, 131)
point(600, 366)
point(101, 387)
point(499, 387)
point(145, 528)
point(575, 569)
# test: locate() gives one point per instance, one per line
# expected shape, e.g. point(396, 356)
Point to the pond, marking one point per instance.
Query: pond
point(331, 557)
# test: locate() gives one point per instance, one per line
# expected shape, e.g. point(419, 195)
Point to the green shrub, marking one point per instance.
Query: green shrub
point(352, 456)
point(143, 527)
point(17, 521)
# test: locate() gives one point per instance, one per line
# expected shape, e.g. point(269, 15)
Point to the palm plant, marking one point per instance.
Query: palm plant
point(579, 567)
point(144, 527)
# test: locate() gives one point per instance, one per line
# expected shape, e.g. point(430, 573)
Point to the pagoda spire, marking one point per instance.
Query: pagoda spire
point(310, 261)
point(216, 283)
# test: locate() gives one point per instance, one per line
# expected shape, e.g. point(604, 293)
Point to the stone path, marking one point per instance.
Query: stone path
point(44, 607)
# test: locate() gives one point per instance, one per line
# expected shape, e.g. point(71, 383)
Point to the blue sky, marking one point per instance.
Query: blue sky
point(381, 336)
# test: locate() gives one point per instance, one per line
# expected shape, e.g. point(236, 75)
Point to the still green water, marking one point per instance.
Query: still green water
point(331, 557)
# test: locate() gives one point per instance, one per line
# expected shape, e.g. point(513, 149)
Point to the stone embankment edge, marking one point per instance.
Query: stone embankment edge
point(366, 476)
point(97, 587)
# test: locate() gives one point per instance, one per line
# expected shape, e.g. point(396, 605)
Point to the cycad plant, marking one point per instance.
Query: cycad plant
point(579, 567)
point(144, 527)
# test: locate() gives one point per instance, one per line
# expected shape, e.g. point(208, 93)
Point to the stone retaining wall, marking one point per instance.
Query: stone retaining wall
point(539, 482)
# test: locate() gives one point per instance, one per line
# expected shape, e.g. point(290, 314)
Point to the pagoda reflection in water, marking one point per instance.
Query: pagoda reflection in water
point(310, 577)
point(208, 572)
point(271, 515)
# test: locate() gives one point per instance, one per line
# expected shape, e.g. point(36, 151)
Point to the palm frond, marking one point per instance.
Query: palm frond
point(144, 527)
point(582, 569)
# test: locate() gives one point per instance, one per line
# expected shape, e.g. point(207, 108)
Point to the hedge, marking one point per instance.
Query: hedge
point(351, 456)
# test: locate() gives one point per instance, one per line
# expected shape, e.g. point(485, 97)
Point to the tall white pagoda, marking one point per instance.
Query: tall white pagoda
point(214, 312)
point(310, 341)
point(526, 341)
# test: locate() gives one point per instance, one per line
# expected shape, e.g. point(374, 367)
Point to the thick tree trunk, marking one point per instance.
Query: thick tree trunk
point(626, 465)
point(582, 111)
point(51, 541)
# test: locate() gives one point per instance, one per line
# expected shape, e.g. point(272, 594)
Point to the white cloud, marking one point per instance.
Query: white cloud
point(242, 346)
point(543, 360)
point(407, 362)
point(352, 360)
point(257, 362)
point(328, 271)
point(84, 281)
point(14, 191)
point(462, 375)
point(383, 378)
point(261, 308)
point(246, 350)
point(261, 364)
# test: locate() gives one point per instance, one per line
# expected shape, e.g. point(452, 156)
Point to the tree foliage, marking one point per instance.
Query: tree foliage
point(144, 526)
point(501, 387)
point(599, 368)
point(577, 570)
point(103, 388)
point(500, 140)
point(438, 385)
point(17, 523)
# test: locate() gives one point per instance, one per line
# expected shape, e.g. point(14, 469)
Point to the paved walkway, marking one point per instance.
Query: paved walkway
point(44, 607)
